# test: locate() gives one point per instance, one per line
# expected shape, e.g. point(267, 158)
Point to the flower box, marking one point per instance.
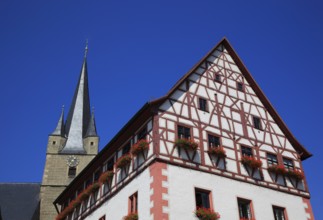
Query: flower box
point(187, 144)
point(206, 214)
point(278, 169)
point(217, 151)
point(123, 161)
point(92, 188)
point(251, 162)
point(298, 175)
point(106, 177)
point(131, 216)
point(139, 147)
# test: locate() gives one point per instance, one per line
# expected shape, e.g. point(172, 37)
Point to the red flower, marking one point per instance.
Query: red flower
point(206, 214)
point(217, 151)
point(123, 161)
point(188, 144)
point(251, 162)
point(139, 147)
point(278, 169)
point(297, 174)
point(106, 177)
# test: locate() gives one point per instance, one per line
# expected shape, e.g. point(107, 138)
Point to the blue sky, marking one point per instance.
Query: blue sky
point(137, 51)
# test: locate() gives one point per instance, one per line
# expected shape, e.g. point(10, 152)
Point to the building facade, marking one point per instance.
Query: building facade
point(213, 144)
point(72, 145)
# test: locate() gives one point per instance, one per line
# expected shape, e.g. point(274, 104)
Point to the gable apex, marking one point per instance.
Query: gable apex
point(225, 45)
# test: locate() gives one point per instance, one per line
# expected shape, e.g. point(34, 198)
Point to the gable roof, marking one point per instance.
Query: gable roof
point(304, 154)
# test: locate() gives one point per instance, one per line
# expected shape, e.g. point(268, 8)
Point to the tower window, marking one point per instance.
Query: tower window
point(71, 171)
point(54, 142)
point(183, 132)
point(92, 143)
point(202, 198)
point(203, 104)
point(244, 209)
point(279, 213)
point(240, 87)
point(213, 141)
point(246, 151)
point(256, 122)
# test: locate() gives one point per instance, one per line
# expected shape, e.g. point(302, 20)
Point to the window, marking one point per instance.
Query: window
point(110, 164)
point(240, 87)
point(218, 78)
point(97, 175)
point(272, 159)
point(203, 104)
point(54, 142)
point(126, 149)
point(92, 143)
point(246, 151)
point(102, 218)
point(244, 209)
point(142, 134)
point(202, 198)
point(183, 132)
point(133, 203)
point(279, 213)
point(288, 164)
point(71, 171)
point(88, 182)
point(213, 141)
point(256, 122)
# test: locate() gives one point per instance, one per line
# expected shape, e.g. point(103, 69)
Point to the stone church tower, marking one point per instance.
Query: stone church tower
point(72, 145)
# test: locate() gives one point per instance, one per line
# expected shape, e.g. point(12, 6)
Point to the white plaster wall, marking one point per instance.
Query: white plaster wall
point(117, 206)
point(181, 184)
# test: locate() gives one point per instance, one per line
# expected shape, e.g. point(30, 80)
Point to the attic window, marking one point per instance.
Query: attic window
point(256, 122)
point(240, 87)
point(217, 78)
point(203, 104)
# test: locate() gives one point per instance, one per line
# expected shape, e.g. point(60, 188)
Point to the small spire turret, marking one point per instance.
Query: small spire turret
point(60, 128)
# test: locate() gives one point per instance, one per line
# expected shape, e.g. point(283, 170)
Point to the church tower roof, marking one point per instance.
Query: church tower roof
point(79, 115)
point(91, 131)
point(60, 128)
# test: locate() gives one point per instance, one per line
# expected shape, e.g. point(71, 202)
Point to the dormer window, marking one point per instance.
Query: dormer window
point(240, 87)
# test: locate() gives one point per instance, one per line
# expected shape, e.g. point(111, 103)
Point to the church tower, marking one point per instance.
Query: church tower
point(72, 145)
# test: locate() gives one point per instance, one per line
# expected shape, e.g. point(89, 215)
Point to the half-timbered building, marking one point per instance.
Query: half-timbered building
point(213, 144)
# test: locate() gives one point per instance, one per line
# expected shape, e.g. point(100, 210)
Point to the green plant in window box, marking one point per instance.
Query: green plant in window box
point(206, 214)
point(139, 147)
point(123, 161)
point(131, 216)
point(297, 174)
point(187, 144)
point(251, 162)
point(217, 151)
point(106, 177)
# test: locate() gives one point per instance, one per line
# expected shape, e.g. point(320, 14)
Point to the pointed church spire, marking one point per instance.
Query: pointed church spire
point(91, 131)
point(79, 114)
point(59, 130)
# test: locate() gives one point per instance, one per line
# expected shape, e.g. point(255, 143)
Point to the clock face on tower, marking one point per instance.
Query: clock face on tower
point(72, 161)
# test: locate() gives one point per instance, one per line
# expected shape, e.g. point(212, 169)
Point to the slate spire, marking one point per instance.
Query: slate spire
point(60, 128)
point(79, 114)
point(91, 131)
